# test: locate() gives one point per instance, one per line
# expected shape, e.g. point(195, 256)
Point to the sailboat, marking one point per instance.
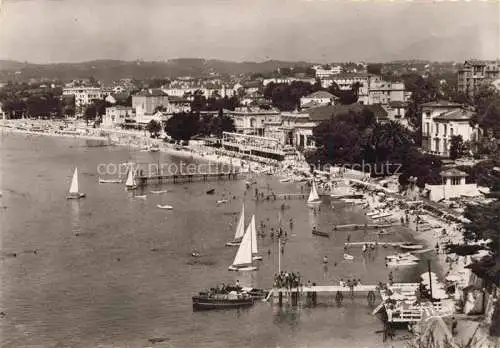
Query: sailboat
point(313, 195)
point(240, 230)
point(73, 190)
point(253, 230)
point(130, 183)
point(243, 258)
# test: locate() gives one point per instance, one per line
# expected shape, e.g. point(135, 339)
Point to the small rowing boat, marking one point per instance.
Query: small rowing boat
point(109, 181)
point(159, 192)
point(222, 201)
point(319, 233)
point(169, 207)
point(141, 197)
point(348, 257)
point(210, 192)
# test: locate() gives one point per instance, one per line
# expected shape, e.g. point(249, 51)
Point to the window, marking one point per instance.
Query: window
point(455, 181)
point(428, 114)
point(451, 132)
point(437, 129)
point(445, 128)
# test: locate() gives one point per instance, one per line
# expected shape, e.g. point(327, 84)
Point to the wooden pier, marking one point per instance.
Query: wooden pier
point(361, 227)
point(326, 288)
point(392, 244)
point(183, 178)
point(284, 196)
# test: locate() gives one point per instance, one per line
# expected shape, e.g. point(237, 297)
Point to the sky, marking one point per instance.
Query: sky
point(48, 31)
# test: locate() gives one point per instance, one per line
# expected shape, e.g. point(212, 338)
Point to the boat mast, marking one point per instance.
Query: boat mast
point(279, 242)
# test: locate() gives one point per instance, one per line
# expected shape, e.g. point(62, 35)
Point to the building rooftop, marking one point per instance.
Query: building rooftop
point(441, 104)
point(153, 92)
point(453, 172)
point(398, 104)
point(455, 115)
point(320, 94)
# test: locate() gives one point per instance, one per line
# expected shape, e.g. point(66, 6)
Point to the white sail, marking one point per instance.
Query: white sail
point(74, 182)
point(130, 178)
point(244, 255)
point(253, 230)
point(240, 228)
point(313, 195)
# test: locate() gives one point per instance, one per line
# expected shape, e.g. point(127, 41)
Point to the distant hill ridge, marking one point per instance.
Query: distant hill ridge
point(109, 70)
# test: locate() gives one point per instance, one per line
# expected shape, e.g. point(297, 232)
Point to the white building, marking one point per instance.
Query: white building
point(85, 95)
point(453, 185)
point(117, 115)
point(324, 73)
point(248, 120)
point(383, 92)
point(287, 80)
point(317, 99)
point(440, 122)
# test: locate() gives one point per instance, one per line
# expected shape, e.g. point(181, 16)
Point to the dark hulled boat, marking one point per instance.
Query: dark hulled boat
point(218, 300)
point(210, 192)
point(319, 233)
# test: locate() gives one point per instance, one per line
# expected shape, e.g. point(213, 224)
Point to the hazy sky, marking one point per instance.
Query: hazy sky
point(313, 30)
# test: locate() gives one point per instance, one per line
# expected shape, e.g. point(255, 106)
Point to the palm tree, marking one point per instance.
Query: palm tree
point(390, 140)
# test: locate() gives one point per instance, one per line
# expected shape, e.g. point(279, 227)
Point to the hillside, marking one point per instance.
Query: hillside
point(109, 70)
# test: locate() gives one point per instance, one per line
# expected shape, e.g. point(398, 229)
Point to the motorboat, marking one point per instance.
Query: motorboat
point(168, 207)
point(221, 300)
point(402, 256)
point(400, 263)
point(411, 246)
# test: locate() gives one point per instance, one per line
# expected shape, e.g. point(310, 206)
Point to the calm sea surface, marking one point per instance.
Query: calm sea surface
point(95, 280)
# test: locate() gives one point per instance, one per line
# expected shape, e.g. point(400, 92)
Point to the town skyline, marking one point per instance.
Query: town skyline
point(67, 31)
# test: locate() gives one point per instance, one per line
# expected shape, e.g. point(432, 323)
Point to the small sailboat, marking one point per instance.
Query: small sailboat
point(243, 259)
point(240, 230)
point(109, 181)
point(73, 190)
point(130, 183)
point(348, 257)
point(253, 231)
point(313, 195)
point(169, 207)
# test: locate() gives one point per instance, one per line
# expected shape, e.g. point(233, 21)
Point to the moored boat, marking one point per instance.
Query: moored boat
point(210, 192)
point(169, 207)
point(219, 300)
point(109, 181)
point(320, 233)
point(348, 257)
point(130, 184)
point(411, 246)
point(243, 261)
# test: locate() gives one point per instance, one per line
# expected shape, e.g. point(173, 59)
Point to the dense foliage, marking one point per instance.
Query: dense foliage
point(183, 126)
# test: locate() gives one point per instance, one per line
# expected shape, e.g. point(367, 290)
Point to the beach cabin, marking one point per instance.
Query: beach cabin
point(453, 186)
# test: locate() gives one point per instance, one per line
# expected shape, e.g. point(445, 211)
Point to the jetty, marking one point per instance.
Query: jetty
point(392, 244)
point(183, 178)
point(285, 196)
point(360, 227)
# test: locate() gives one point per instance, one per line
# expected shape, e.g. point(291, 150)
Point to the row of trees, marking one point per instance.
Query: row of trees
point(183, 126)
point(355, 138)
